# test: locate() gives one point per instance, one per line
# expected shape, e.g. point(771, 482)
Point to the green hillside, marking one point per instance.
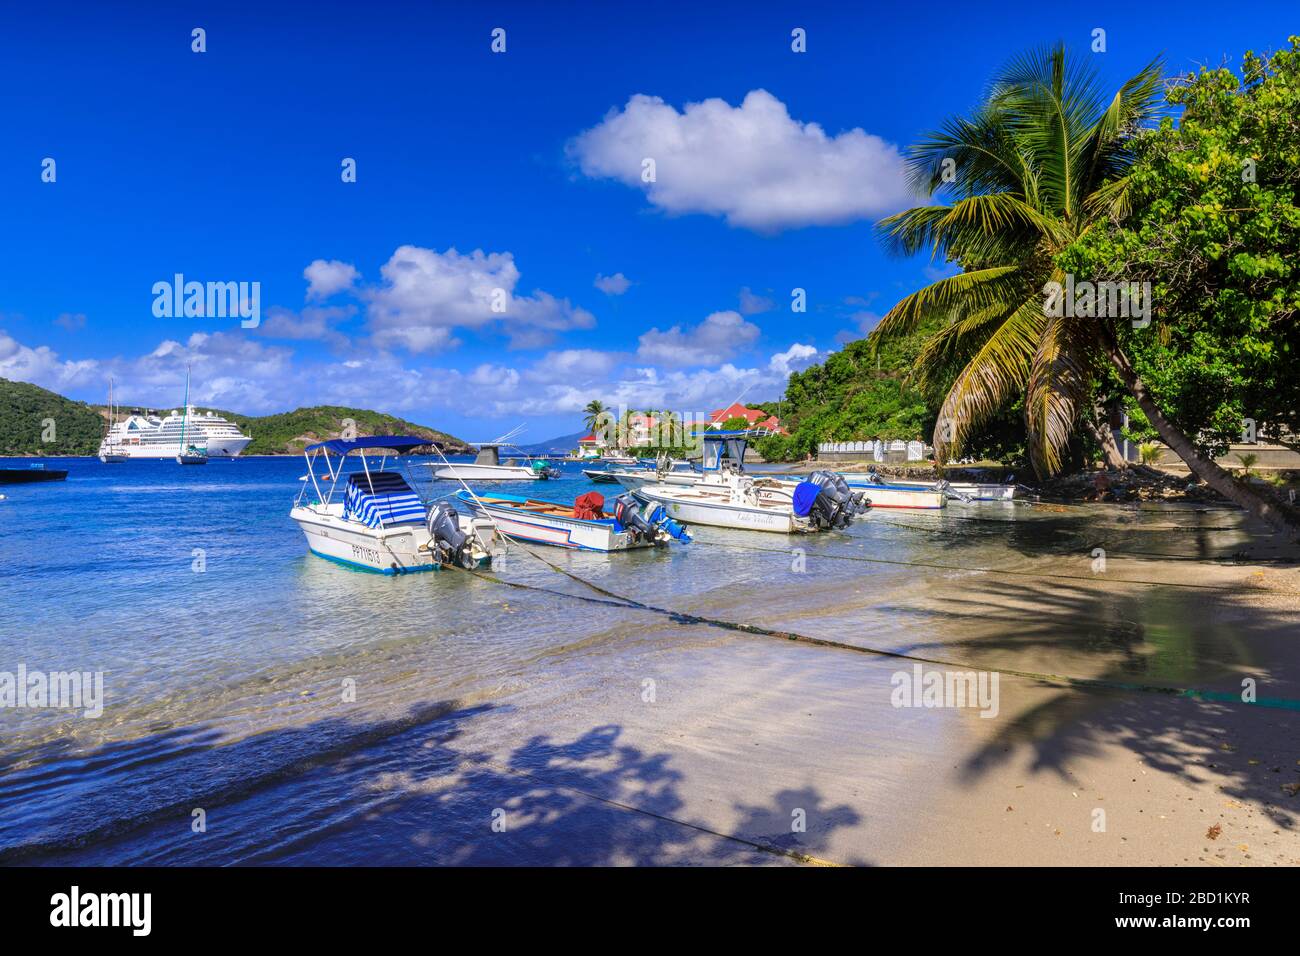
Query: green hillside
point(29, 414)
point(78, 427)
point(288, 432)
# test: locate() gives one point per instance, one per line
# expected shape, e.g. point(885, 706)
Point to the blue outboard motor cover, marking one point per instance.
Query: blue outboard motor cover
point(805, 493)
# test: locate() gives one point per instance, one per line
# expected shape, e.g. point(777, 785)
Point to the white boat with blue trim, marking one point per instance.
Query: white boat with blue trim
point(373, 519)
point(584, 525)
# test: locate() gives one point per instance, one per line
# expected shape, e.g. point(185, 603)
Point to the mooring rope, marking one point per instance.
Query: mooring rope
point(613, 599)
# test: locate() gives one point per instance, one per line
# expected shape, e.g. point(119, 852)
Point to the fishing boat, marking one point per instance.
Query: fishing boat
point(111, 449)
point(585, 524)
point(738, 501)
point(373, 519)
point(722, 452)
point(651, 470)
point(964, 491)
point(31, 474)
point(190, 453)
point(487, 465)
point(889, 494)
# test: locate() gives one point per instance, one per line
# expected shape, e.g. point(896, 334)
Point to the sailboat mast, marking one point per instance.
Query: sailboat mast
point(185, 412)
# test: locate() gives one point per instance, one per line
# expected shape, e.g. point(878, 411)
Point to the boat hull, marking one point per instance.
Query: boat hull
point(600, 477)
point(694, 507)
point(472, 472)
point(27, 476)
point(564, 532)
point(898, 496)
point(395, 550)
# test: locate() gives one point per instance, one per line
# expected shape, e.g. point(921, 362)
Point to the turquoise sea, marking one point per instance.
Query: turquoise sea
point(263, 705)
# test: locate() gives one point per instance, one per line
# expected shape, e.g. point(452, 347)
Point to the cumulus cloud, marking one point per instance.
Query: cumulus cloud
point(616, 284)
point(72, 321)
point(327, 277)
point(752, 164)
point(427, 294)
point(794, 359)
point(714, 340)
point(42, 366)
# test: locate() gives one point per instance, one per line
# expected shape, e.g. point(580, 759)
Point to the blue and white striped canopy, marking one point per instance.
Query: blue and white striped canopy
point(384, 496)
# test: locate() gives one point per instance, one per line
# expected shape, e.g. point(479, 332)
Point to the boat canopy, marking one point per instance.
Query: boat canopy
point(341, 446)
point(720, 444)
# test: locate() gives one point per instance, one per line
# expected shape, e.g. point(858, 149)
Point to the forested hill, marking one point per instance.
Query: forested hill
point(855, 395)
point(34, 421)
point(27, 411)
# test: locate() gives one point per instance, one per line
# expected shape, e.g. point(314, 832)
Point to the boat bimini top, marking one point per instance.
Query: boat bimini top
point(375, 498)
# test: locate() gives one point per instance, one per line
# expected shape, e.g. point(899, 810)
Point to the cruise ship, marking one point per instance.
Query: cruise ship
point(145, 435)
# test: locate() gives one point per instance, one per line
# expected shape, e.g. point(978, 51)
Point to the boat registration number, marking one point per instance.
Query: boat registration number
point(363, 553)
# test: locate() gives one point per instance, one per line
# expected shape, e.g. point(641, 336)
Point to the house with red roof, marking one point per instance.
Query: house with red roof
point(757, 418)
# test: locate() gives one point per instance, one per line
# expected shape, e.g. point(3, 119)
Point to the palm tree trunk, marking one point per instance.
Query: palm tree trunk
point(1273, 513)
point(1105, 439)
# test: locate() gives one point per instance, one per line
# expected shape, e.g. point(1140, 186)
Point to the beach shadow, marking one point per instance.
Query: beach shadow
point(412, 791)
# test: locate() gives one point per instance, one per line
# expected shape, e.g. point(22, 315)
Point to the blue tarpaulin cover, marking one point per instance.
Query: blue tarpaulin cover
point(805, 493)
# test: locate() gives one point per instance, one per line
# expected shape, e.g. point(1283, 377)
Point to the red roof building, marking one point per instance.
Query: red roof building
point(756, 417)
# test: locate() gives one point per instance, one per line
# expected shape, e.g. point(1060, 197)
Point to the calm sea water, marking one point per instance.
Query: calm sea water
point(228, 653)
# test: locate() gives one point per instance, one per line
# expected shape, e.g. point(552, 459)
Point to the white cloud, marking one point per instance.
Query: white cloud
point(426, 294)
point(314, 323)
point(753, 164)
point(42, 366)
point(616, 284)
point(714, 340)
point(794, 359)
point(326, 277)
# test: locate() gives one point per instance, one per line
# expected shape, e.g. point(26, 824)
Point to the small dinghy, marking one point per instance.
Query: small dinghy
point(373, 519)
point(884, 494)
point(963, 491)
point(585, 525)
point(740, 502)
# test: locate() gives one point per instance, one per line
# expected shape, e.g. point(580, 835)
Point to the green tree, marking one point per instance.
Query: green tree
point(1214, 227)
point(591, 414)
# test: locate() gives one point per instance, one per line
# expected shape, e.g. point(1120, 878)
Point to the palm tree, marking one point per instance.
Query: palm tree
point(1038, 164)
point(591, 414)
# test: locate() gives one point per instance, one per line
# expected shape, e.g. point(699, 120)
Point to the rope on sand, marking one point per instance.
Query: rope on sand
point(612, 599)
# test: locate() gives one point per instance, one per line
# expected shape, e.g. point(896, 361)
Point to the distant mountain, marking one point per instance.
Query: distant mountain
point(27, 410)
point(29, 415)
point(554, 446)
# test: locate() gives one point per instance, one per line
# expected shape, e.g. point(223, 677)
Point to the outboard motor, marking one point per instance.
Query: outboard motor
point(546, 470)
point(835, 505)
point(627, 512)
point(452, 544)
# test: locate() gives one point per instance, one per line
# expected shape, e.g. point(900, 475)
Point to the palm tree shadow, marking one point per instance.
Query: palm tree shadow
point(410, 791)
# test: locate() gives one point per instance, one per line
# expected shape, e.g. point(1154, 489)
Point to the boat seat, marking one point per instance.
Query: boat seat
point(384, 498)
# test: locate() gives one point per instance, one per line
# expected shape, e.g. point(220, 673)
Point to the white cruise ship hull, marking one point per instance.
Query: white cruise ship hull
point(216, 448)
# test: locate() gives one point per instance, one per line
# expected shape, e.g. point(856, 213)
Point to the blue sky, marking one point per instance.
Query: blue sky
point(225, 166)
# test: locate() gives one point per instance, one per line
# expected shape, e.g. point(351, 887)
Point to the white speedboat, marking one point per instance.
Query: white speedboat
point(373, 519)
point(737, 501)
point(585, 525)
point(964, 491)
point(487, 466)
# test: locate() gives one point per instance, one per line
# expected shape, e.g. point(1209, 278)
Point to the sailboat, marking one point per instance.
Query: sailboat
point(190, 454)
point(110, 450)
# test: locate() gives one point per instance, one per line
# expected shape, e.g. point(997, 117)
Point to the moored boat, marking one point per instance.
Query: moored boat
point(487, 466)
point(885, 494)
point(739, 502)
point(374, 520)
point(31, 474)
point(586, 524)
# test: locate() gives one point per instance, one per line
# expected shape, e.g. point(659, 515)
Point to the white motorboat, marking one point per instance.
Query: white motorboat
point(487, 466)
point(890, 494)
point(966, 491)
point(585, 525)
point(738, 501)
point(373, 519)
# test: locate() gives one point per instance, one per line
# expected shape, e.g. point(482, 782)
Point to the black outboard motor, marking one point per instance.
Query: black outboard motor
point(452, 544)
point(627, 513)
point(835, 505)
